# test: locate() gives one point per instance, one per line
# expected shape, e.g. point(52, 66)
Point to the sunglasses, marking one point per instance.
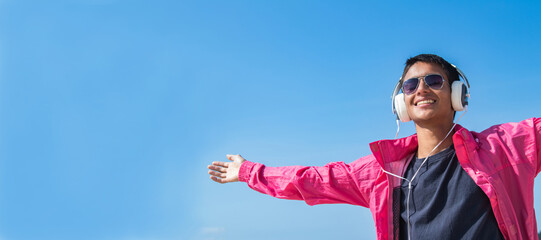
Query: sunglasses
point(434, 81)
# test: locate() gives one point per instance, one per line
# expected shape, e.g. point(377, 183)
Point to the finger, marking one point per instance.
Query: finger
point(212, 167)
point(217, 174)
point(221, 164)
point(216, 168)
point(218, 180)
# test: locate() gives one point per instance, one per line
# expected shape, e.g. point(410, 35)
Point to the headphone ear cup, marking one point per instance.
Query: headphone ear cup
point(400, 107)
point(459, 94)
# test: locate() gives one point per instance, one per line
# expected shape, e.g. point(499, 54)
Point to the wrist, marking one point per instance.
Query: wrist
point(244, 171)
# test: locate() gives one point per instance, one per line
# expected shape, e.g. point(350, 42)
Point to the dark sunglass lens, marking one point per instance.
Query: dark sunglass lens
point(410, 85)
point(434, 81)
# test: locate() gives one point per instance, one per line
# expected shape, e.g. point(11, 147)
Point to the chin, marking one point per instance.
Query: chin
point(424, 116)
point(431, 118)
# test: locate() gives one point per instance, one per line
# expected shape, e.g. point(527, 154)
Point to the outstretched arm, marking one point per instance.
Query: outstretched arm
point(333, 183)
point(537, 124)
point(226, 172)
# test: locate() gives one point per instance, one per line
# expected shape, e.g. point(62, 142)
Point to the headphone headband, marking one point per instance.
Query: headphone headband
point(462, 75)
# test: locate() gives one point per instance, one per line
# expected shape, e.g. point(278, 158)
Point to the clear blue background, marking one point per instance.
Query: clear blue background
point(110, 110)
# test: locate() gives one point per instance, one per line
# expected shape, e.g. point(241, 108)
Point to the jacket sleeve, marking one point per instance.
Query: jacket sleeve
point(335, 182)
point(521, 141)
point(537, 129)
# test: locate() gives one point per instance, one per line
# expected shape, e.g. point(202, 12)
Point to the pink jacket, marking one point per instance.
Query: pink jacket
point(503, 161)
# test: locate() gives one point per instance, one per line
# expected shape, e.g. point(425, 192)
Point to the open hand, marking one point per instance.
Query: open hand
point(225, 172)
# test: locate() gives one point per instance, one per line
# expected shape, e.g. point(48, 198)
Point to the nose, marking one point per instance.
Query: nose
point(423, 87)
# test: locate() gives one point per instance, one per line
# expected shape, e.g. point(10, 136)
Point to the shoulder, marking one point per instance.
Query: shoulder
point(518, 141)
point(515, 127)
point(366, 167)
point(512, 130)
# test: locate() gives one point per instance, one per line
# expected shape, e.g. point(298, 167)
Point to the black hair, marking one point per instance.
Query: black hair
point(450, 71)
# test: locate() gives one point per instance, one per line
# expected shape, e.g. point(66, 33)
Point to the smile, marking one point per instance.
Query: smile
point(423, 102)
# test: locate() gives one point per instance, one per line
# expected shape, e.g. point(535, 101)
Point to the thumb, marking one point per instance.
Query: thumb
point(235, 158)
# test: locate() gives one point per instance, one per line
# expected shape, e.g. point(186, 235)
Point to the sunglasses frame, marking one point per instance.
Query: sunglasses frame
point(419, 82)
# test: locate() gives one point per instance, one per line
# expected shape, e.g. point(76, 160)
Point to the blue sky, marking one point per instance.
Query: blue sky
point(111, 110)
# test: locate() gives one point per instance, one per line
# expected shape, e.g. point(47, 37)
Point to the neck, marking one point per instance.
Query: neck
point(429, 136)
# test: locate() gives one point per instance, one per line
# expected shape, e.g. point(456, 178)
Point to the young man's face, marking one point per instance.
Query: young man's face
point(427, 105)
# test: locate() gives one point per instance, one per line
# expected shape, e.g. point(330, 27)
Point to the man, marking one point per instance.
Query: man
point(444, 182)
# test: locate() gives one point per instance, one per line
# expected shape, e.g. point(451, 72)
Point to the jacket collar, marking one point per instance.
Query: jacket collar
point(392, 150)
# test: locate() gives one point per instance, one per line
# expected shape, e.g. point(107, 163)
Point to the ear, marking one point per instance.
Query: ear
point(400, 106)
point(459, 98)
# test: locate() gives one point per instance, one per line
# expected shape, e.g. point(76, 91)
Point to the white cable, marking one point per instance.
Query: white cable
point(414, 175)
point(397, 128)
point(394, 175)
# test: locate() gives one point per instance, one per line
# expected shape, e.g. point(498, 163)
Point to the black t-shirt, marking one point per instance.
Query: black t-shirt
point(445, 202)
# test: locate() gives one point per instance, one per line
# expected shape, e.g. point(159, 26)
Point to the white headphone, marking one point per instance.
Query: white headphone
point(460, 94)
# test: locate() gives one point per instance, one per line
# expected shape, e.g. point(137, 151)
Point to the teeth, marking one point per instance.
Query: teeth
point(426, 102)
